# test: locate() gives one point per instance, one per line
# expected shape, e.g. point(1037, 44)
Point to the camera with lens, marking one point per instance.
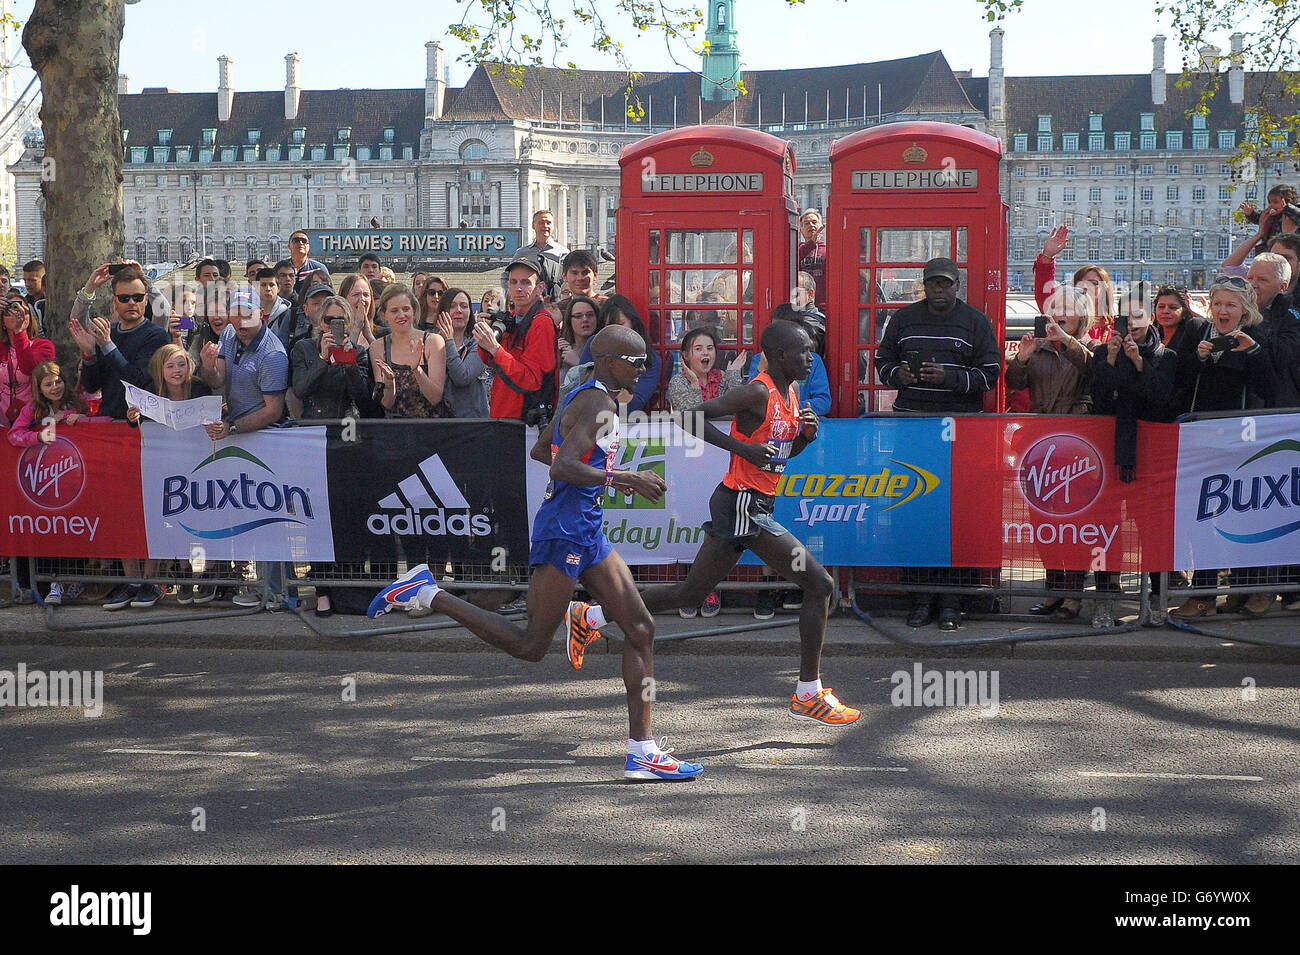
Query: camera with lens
point(501, 323)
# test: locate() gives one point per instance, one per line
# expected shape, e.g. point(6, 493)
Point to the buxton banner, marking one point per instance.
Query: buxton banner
point(78, 496)
point(260, 496)
point(1238, 502)
point(428, 491)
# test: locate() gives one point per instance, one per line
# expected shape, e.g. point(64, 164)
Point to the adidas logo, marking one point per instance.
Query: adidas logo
point(428, 502)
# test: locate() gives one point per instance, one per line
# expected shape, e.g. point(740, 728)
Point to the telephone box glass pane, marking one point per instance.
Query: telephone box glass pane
point(908, 285)
point(654, 246)
point(690, 248)
point(722, 321)
point(961, 244)
point(747, 287)
point(864, 287)
point(748, 326)
point(687, 287)
point(913, 245)
point(864, 327)
point(864, 245)
point(748, 245)
point(654, 288)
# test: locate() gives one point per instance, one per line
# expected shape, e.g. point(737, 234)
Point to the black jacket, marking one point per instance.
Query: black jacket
point(1280, 335)
point(1182, 342)
point(1234, 380)
point(1131, 395)
point(962, 340)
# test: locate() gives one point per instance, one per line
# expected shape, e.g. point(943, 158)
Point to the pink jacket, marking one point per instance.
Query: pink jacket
point(16, 365)
point(24, 435)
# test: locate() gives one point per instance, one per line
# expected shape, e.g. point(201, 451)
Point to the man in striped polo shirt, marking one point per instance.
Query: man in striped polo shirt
point(942, 355)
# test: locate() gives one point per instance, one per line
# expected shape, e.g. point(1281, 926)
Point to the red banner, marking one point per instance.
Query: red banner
point(76, 497)
point(1047, 489)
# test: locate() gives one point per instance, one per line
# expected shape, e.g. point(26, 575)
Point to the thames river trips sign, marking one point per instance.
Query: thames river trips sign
point(453, 243)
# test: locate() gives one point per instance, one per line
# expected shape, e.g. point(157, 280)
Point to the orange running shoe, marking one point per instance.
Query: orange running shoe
point(578, 631)
point(823, 708)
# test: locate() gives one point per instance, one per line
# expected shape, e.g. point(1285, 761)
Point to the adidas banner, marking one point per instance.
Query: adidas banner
point(429, 491)
point(260, 496)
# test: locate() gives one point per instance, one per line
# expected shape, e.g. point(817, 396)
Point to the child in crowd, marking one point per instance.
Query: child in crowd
point(54, 403)
point(1283, 200)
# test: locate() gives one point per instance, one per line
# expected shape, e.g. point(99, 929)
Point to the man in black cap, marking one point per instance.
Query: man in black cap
point(942, 355)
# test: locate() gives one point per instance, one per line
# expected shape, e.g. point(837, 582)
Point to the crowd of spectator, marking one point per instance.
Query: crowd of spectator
point(291, 342)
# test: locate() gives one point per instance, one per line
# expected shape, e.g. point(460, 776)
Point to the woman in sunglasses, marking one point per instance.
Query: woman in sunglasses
point(1180, 331)
point(1236, 373)
point(21, 350)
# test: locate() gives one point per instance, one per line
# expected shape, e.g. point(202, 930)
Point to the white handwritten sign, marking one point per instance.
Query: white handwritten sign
point(177, 415)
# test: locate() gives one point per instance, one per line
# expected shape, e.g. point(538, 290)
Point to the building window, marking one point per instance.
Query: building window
point(1227, 139)
point(363, 153)
point(1094, 248)
point(1121, 193)
point(340, 153)
point(1044, 170)
point(1171, 247)
point(1148, 141)
point(160, 153)
point(1172, 169)
point(1147, 194)
point(1045, 144)
point(1200, 140)
point(1148, 169)
point(1096, 142)
point(1069, 194)
point(1019, 195)
point(1198, 121)
point(1225, 193)
point(1198, 169)
point(388, 222)
point(228, 180)
point(1070, 142)
point(1198, 248)
point(1018, 249)
point(1069, 170)
point(1146, 217)
point(319, 204)
point(1045, 195)
point(1094, 169)
point(476, 175)
point(389, 133)
point(1225, 169)
point(1171, 193)
point(1044, 123)
point(1225, 247)
point(1122, 140)
point(296, 202)
point(341, 202)
point(1171, 217)
point(473, 149)
point(227, 153)
point(317, 153)
point(1021, 142)
point(139, 154)
point(272, 153)
point(1148, 121)
point(299, 134)
point(1173, 139)
point(363, 203)
point(1019, 172)
point(1094, 194)
point(345, 134)
point(385, 152)
point(1044, 219)
point(1094, 122)
point(1144, 247)
point(1121, 169)
point(210, 137)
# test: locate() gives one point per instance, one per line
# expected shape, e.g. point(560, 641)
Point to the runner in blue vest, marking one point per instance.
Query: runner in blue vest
point(568, 544)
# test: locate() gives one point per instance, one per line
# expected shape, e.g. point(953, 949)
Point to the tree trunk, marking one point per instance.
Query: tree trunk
point(74, 45)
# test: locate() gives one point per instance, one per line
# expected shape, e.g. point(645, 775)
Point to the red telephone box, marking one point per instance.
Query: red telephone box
point(706, 234)
point(901, 194)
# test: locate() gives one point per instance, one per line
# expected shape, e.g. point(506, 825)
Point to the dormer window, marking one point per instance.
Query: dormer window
point(210, 137)
point(389, 133)
point(299, 134)
point(345, 134)
point(228, 154)
point(1148, 121)
point(1094, 123)
point(164, 137)
point(254, 137)
point(1044, 123)
point(317, 153)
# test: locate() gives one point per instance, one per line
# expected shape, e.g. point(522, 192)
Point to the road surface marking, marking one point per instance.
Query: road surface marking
point(183, 752)
point(824, 769)
point(1238, 779)
point(495, 759)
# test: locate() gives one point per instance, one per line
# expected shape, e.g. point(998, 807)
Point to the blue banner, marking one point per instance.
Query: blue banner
point(420, 243)
point(872, 493)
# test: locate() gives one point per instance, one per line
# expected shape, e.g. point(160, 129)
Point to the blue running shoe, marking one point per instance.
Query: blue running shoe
point(660, 766)
point(402, 591)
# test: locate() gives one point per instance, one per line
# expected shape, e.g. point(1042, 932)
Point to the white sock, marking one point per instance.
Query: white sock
point(642, 747)
point(424, 596)
point(596, 618)
point(806, 691)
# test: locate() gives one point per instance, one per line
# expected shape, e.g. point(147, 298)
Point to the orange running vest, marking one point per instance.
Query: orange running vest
point(780, 427)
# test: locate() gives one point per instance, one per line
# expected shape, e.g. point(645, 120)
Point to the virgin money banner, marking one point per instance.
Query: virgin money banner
point(260, 496)
point(429, 491)
point(1238, 502)
point(671, 529)
point(1046, 489)
point(75, 497)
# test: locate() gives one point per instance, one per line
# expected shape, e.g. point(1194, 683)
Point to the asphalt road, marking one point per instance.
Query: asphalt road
point(451, 757)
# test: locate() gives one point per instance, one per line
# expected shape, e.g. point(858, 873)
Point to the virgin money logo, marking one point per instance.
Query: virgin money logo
point(1061, 475)
point(52, 476)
